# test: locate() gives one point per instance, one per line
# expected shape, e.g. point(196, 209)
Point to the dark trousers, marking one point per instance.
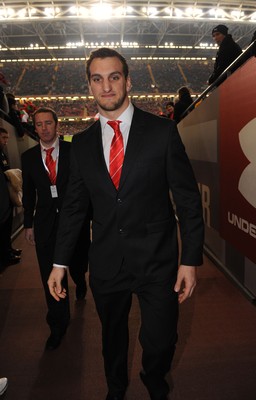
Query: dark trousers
point(79, 262)
point(5, 238)
point(58, 314)
point(158, 332)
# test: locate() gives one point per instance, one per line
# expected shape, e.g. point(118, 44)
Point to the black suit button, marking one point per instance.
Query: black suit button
point(121, 231)
point(119, 201)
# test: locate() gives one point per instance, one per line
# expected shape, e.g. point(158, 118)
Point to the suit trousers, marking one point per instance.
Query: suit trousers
point(58, 313)
point(79, 261)
point(158, 332)
point(5, 238)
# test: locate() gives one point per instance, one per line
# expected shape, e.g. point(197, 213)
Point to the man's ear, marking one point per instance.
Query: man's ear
point(128, 84)
point(90, 90)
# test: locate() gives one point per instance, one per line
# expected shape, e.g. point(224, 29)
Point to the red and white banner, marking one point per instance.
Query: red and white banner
point(237, 145)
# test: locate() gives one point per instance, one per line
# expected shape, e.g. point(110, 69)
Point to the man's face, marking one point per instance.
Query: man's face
point(3, 139)
point(169, 108)
point(109, 86)
point(218, 37)
point(46, 128)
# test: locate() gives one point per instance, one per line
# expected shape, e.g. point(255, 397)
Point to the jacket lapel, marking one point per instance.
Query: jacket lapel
point(135, 141)
point(38, 160)
point(64, 154)
point(99, 159)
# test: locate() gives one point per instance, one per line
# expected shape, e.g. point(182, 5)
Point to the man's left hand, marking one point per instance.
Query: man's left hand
point(186, 282)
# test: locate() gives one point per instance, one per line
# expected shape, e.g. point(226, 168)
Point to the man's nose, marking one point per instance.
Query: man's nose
point(106, 85)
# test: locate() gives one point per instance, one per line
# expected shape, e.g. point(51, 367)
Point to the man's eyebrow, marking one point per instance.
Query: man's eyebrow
point(111, 73)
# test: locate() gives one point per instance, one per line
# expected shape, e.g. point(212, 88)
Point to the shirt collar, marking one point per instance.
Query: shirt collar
point(125, 117)
point(55, 145)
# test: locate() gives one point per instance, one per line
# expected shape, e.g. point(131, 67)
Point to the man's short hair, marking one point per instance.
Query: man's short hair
point(105, 52)
point(45, 110)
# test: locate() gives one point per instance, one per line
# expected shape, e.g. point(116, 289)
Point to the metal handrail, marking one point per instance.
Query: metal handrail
point(224, 74)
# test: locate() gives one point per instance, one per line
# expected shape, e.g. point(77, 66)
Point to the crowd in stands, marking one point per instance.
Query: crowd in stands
point(68, 77)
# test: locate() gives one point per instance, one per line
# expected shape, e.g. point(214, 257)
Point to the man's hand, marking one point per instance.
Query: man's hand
point(54, 283)
point(186, 282)
point(29, 236)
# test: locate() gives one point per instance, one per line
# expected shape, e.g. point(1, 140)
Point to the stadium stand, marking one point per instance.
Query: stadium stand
point(68, 77)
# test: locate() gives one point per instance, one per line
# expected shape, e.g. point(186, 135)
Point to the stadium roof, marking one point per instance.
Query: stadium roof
point(60, 29)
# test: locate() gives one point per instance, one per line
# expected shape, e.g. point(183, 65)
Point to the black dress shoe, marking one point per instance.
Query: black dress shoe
point(53, 341)
point(16, 252)
point(81, 291)
point(11, 260)
point(114, 397)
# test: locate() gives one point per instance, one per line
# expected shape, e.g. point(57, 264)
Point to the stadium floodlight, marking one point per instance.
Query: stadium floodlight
point(73, 10)
point(168, 11)
point(22, 13)
point(32, 11)
point(178, 13)
point(101, 11)
point(7, 13)
point(194, 12)
point(237, 14)
point(253, 16)
point(51, 11)
point(217, 13)
point(150, 11)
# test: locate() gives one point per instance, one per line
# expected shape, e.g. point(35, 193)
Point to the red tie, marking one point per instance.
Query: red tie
point(51, 165)
point(116, 157)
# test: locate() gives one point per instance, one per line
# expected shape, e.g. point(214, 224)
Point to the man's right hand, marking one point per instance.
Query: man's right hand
point(29, 236)
point(55, 285)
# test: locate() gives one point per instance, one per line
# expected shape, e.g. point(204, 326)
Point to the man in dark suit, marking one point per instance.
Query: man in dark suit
point(134, 236)
point(43, 193)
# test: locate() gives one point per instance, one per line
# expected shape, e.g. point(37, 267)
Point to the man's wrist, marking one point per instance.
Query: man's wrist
point(60, 266)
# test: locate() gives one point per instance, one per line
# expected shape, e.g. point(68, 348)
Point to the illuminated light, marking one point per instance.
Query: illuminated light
point(178, 12)
point(73, 10)
point(10, 12)
point(83, 11)
point(150, 11)
point(119, 11)
point(32, 11)
point(101, 11)
point(237, 14)
point(217, 13)
point(168, 11)
point(129, 10)
point(22, 13)
point(253, 16)
point(194, 12)
point(49, 11)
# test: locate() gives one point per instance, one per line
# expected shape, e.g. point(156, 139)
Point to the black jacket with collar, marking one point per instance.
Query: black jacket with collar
point(228, 51)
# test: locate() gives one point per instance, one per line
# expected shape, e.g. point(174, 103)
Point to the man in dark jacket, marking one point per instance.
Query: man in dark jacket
point(228, 51)
point(45, 171)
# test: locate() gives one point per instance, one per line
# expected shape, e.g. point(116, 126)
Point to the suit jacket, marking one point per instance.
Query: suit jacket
point(37, 193)
point(135, 224)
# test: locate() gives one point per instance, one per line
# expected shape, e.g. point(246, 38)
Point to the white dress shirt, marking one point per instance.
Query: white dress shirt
point(55, 153)
point(108, 132)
